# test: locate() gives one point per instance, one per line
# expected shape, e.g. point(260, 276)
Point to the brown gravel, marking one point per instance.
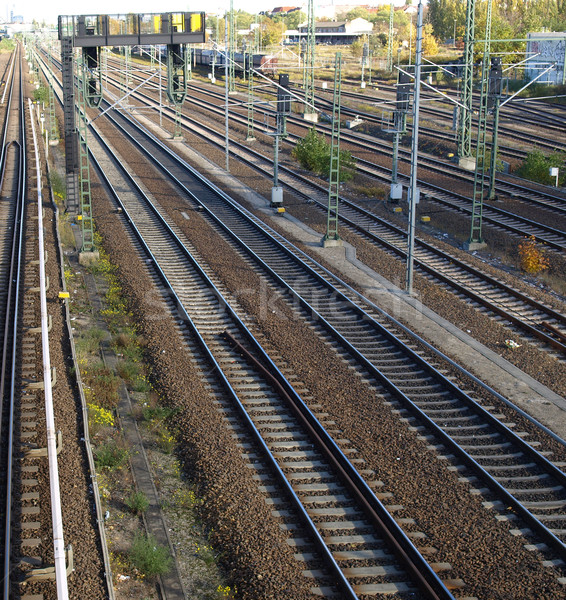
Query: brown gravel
point(493, 565)
point(389, 450)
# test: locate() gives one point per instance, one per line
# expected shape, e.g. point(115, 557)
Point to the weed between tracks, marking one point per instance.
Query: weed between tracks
point(136, 559)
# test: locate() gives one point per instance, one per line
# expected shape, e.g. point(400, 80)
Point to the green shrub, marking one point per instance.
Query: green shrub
point(137, 502)
point(110, 456)
point(313, 153)
point(157, 413)
point(41, 94)
point(148, 557)
point(536, 167)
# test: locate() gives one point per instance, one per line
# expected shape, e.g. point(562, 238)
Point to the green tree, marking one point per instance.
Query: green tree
point(357, 13)
point(356, 48)
point(271, 31)
point(443, 14)
point(313, 153)
point(430, 45)
point(537, 165)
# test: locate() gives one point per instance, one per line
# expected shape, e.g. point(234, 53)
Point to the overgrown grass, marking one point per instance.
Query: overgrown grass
point(57, 184)
point(103, 385)
point(110, 456)
point(7, 45)
point(148, 557)
point(89, 341)
point(137, 502)
point(371, 191)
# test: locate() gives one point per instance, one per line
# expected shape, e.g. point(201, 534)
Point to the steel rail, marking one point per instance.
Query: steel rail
point(11, 329)
point(417, 565)
point(514, 190)
point(54, 487)
point(519, 322)
point(537, 526)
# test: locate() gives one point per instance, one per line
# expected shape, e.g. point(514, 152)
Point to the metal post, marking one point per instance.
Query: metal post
point(71, 133)
point(310, 113)
point(226, 92)
point(283, 109)
point(276, 152)
point(232, 70)
point(331, 238)
point(87, 228)
point(410, 38)
point(53, 131)
point(390, 40)
point(465, 121)
point(413, 191)
point(404, 88)
point(476, 239)
point(494, 99)
point(493, 161)
point(250, 136)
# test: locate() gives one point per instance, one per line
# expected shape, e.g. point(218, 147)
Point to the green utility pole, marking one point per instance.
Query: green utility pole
point(331, 238)
point(465, 157)
point(480, 176)
point(250, 136)
point(85, 214)
point(494, 100)
point(232, 44)
point(390, 41)
point(310, 113)
point(52, 127)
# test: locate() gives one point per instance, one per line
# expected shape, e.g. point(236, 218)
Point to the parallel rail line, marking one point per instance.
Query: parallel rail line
point(534, 319)
point(504, 461)
point(276, 417)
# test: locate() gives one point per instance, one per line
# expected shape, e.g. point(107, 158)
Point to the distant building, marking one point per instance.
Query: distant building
point(284, 10)
point(327, 9)
point(332, 32)
point(544, 50)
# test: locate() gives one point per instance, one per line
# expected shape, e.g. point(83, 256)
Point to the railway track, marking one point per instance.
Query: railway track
point(484, 445)
point(507, 467)
point(514, 116)
point(535, 320)
point(554, 202)
point(309, 492)
point(492, 214)
point(36, 561)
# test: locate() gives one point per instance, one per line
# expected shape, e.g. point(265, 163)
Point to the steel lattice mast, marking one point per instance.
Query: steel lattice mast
point(310, 113)
point(482, 166)
point(465, 112)
point(331, 236)
point(390, 40)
